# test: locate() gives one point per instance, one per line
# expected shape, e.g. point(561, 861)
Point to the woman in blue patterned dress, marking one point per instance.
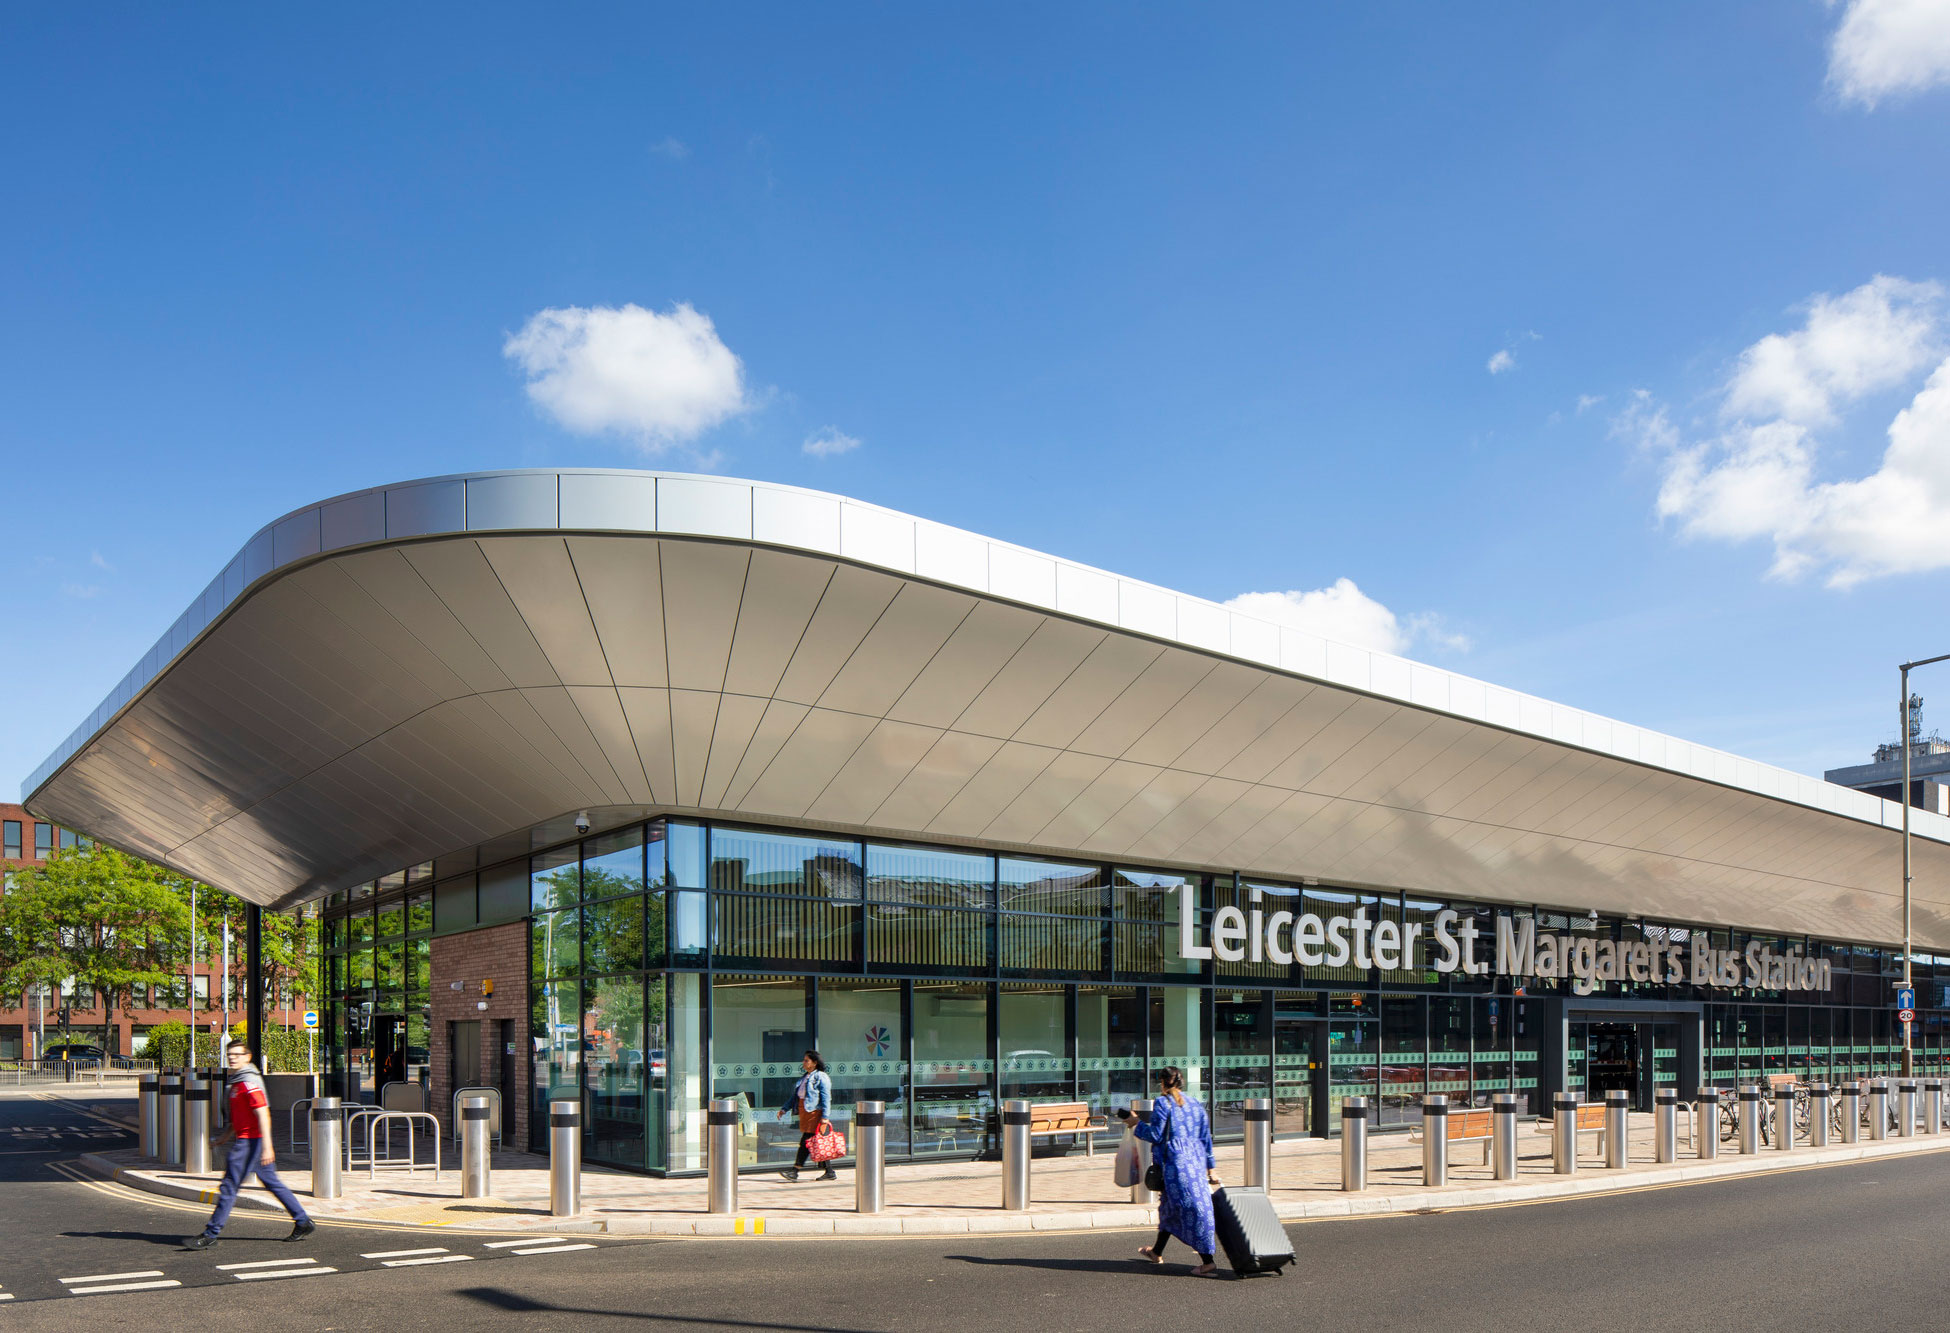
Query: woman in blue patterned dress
point(1181, 1137)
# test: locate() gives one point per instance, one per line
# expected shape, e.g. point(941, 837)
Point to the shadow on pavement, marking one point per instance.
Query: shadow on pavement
point(173, 1239)
point(1131, 1265)
point(514, 1303)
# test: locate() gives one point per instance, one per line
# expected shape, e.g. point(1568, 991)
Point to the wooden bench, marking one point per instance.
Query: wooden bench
point(1465, 1126)
point(1591, 1120)
point(1053, 1118)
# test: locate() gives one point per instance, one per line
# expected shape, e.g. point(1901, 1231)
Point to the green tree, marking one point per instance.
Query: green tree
point(90, 914)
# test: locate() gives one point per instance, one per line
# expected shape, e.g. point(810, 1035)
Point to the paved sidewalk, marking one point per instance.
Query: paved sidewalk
point(1070, 1192)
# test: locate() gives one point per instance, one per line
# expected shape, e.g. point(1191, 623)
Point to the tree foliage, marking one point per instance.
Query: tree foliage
point(101, 918)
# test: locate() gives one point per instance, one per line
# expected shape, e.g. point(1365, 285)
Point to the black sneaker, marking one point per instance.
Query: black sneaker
point(302, 1230)
point(200, 1242)
point(790, 1173)
point(831, 1174)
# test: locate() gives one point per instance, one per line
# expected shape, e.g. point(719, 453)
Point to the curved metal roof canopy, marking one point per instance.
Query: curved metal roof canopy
point(423, 670)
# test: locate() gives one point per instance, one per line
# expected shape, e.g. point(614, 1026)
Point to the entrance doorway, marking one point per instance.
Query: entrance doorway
point(389, 1049)
point(1636, 1053)
point(1299, 1075)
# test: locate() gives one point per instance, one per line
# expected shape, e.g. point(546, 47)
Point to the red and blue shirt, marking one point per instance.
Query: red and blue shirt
point(246, 1096)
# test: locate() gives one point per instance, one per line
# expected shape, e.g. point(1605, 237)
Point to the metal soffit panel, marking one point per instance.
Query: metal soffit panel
point(383, 707)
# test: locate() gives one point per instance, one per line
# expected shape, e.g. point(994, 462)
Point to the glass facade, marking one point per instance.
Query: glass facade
point(672, 962)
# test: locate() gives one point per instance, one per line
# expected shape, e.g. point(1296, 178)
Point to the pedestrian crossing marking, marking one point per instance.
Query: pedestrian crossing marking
point(113, 1277)
point(432, 1259)
point(266, 1263)
point(403, 1254)
point(282, 1272)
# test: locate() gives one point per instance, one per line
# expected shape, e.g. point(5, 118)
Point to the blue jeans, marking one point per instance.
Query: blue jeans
point(238, 1164)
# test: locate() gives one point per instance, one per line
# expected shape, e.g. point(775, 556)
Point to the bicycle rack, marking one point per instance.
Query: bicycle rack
point(374, 1120)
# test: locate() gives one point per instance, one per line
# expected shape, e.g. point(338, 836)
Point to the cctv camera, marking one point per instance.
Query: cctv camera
point(582, 822)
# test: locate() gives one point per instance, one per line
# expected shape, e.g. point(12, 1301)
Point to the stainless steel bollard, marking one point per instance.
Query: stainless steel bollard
point(196, 1126)
point(146, 1111)
point(169, 1110)
point(564, 1158)
point(1258, 1112)
point(1851, 1112)
point(214, 1076)
point(1665, 1125)
point(1354, 1143)
point(869, 1157)
point(721, 1156)
point(1618, 1106)
point(328, 1147)
point(1784, 1119)
point(1435, 1139)
point(1564, 1135)
point(1141, 1115)
point(1932, 1106)
point(1906, 1109)
point(1706, 1124)
point(1015, 1155)
point(1750, 1120)
point(1503, 1134)
point(475, 1173)
point(1818, 1115)
point(1879, 1109)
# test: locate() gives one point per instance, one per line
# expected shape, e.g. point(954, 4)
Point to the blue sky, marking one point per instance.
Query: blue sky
point(1573, 338)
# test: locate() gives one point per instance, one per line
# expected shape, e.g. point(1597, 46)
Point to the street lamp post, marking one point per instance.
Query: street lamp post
point(1903, 738)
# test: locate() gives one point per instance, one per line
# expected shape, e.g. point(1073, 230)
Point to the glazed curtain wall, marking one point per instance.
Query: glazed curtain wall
point(674, 961)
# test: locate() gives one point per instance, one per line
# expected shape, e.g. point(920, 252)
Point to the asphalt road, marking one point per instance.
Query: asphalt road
point(1837, 1245)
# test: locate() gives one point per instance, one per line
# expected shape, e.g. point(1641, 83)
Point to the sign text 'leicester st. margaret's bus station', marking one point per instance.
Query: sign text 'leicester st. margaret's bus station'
point(1586, 961)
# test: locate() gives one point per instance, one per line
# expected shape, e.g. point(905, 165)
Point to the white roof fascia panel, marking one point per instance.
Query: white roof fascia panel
point(595, 499)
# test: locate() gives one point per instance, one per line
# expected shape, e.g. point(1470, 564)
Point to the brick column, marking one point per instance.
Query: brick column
point(500, 954)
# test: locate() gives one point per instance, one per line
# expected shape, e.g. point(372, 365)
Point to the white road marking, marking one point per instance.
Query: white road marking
point(554, 1249)
point(282, 1272)
point(436, 1259)
point(403, 1254)
point(122, 1286)
point(526, 1240)
point(6, 1295)
point(266, 1263)
point(113, 1277)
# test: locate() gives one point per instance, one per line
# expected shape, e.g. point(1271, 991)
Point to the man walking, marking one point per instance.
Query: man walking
point(250, 1150)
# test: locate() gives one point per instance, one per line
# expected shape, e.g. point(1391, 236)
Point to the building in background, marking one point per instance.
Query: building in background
point(1929, 768)
point(628, 788)
point(27, 841)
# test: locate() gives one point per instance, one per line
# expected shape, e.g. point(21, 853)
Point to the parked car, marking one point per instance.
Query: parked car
point(73, 1050)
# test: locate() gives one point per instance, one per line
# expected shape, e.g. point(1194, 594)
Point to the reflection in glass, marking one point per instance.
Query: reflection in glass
point(1110, 1049)
point(553, 879)
point(953, 1073)
point(864, 1043)
point(1178, 1035)
point(1034, 1032)
point(1241, 1057)
point(897, 874)
point(613, 935)
point(1049, 887)
point(747, 862)
point(618, 1069)
point(555, 1022)
point(555, 943)
point(760, 1030)
point(612, 865)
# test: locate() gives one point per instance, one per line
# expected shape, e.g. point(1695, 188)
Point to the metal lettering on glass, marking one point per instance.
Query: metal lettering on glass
point(1586, 961)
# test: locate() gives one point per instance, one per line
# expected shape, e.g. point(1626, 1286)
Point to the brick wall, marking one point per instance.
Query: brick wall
point(500, 954)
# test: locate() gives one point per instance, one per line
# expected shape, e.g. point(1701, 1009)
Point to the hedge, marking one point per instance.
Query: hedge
point(169, 1046)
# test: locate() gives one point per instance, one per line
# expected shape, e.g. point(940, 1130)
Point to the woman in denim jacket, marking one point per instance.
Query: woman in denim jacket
point(812, 1099)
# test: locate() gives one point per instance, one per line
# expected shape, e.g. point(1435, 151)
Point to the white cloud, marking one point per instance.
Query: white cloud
point(1883, 47)
point(1872, 338)
point(676, 150)
point(82, 591)
point(100, 562)
point(661, 379)
point(1344, 613)
point(1502, 361)
point(1587, 401)
point(1757, 479)
point(829, 443)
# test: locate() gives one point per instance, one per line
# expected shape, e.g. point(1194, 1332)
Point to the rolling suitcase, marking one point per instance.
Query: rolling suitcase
point(1250, 1232)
